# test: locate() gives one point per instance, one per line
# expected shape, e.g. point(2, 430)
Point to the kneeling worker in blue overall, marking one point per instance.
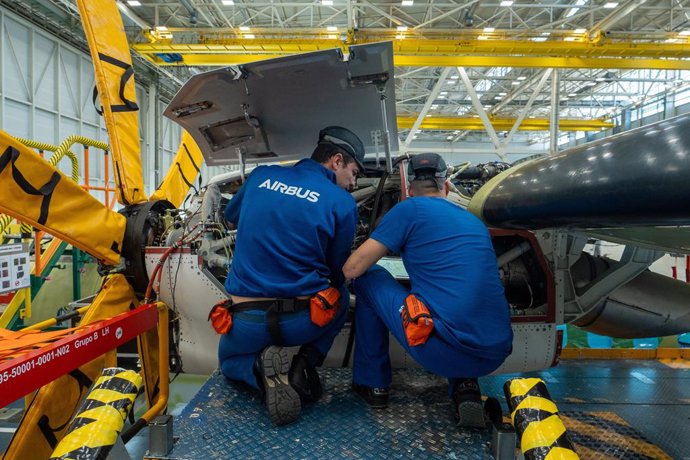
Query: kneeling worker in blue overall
point(455, 320)
point(295, 227)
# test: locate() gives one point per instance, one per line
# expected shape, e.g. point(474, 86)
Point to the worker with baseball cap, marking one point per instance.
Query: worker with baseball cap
point(454, 319)
point(295, 227)
point(345, 141)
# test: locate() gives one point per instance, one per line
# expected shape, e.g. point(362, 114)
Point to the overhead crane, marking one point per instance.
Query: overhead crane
point(536, 49)
point(501, 124)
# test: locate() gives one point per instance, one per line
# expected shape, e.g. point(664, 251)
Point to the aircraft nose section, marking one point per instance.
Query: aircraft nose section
point(621, 181)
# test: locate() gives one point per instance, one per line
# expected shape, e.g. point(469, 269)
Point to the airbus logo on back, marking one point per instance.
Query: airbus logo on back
point(292, 190)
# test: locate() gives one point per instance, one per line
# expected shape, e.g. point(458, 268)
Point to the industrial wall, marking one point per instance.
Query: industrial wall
point(46, 90)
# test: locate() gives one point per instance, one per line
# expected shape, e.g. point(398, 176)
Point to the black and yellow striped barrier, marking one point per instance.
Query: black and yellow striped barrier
point(100, 418)
point(535, 418)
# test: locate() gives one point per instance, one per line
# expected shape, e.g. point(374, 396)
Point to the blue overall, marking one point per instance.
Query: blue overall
point(295, 228)
point(450, 260)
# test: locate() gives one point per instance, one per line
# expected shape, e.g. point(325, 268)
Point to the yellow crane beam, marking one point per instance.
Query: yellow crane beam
point(502, 124)
point(472, 52)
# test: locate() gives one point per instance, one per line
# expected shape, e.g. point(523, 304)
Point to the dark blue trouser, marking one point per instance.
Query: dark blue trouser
point(239, 348)
point(379, 298)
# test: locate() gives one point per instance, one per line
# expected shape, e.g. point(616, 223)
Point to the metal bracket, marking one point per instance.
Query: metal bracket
point(161, 435)
point(563, 248)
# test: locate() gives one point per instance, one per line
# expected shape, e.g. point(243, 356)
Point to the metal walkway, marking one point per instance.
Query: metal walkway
point(613, 410)
point(222, 421)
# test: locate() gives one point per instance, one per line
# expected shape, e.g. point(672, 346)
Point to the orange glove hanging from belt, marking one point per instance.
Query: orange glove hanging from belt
point(417, 321)
point(220, 316)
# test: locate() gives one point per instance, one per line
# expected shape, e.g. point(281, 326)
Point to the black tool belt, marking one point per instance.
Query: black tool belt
point(273, 309)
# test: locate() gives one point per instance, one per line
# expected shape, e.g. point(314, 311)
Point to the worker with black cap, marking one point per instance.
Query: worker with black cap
point(454, 320)
point(295, 227)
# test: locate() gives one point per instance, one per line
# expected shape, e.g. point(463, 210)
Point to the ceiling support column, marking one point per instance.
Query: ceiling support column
point(427, 105)
point(555, 105)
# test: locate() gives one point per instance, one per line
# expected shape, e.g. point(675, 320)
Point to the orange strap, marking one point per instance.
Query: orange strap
point(15, 343)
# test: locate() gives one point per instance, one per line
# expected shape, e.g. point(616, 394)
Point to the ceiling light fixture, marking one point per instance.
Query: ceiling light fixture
point(401, 28)
point(580, 31)
point(489, 29)
point(522, 77)
point(228, 2)
point(506, 3)
point(407, 2)
point(245, 28)
point(332, 28)
point(249, 36)
point(611, 5)
point(133, 2)
point(326, 2)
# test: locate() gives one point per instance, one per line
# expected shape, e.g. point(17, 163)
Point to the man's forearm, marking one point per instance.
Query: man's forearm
point(354, 266)
point(364, 257)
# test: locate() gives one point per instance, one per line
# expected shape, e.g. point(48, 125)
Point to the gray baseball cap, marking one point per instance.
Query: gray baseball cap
point(426, 166)
point(346, 140)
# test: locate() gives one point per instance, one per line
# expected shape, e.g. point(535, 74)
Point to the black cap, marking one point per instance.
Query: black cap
point(426, 166)
point(346, 140)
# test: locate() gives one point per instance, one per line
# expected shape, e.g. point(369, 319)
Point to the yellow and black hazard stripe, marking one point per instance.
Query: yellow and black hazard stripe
point(536, 421)
point(606, 435)
point(100, 418)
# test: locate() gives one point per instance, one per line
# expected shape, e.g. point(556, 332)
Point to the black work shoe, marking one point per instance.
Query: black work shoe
point(467, 399)
point(377, 398)
point(282, 400)
point(305, 379)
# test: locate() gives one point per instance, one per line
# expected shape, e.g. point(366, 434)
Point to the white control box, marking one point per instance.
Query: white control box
point(14, 267)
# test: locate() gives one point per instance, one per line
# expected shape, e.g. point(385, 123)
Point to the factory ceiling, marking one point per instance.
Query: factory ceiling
point(465, 70)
